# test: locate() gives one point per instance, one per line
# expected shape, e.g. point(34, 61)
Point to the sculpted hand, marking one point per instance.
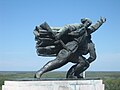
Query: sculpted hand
point(103, 19)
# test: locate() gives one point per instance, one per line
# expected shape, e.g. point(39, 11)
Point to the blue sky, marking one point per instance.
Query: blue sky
point(18, 19)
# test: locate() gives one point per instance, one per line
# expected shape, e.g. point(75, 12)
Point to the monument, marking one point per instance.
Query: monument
point(69, 43)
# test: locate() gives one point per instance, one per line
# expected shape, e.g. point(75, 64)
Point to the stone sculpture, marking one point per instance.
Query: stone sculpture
point(68, 44)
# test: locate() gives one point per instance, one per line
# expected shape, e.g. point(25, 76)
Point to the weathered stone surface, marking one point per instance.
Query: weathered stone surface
point(54, 85)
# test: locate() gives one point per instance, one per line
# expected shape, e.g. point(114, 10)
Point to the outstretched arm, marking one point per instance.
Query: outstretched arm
point(94, 27)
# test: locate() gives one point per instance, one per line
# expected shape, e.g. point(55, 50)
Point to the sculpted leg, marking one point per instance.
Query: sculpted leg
point(76, 70)
point(80, 69)
point(71, 71)
point(51, 65)
point(58, 62)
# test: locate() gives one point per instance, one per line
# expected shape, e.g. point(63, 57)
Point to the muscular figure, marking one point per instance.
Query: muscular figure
point(79, 44)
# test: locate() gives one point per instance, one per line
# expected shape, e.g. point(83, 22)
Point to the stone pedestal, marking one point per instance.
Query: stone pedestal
point(54, 85)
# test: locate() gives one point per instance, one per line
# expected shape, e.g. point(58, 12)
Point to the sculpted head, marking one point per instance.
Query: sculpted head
point(86, 21)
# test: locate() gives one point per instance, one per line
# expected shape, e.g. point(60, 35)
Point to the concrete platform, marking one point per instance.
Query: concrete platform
point(53, 85)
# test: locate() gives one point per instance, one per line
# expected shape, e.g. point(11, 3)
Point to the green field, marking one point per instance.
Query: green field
point(110, 79)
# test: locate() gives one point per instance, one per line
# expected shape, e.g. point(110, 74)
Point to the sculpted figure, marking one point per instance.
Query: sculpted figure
point(68, 44)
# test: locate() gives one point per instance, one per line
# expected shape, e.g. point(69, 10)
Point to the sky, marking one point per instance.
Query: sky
point(18, 19)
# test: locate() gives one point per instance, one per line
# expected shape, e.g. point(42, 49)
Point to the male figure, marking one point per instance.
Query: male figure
point(87, 47)
point(80, 39)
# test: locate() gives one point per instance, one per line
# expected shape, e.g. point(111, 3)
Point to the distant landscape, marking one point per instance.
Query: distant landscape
point(110, 79)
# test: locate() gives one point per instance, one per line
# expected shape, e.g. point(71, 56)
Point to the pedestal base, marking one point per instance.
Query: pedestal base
point(54, 85)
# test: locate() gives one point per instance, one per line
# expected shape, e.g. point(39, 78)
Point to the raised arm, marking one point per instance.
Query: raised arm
point(94, 27)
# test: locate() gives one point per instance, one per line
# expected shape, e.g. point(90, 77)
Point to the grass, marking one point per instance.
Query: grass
point(110, 79)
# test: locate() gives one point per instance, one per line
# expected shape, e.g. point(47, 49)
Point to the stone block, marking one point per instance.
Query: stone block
point(54, 85)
